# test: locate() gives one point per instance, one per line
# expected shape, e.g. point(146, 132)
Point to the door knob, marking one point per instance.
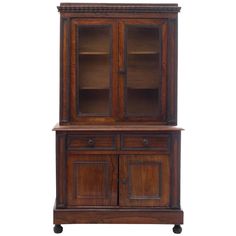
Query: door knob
point(145, 142)
point(91, 142)
point(124, 181)
point(122, 71)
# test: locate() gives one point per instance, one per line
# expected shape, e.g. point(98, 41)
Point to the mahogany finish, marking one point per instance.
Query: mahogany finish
point(117, 216)
point(144, 180)
point(123, 72)
point(91, 142)
point(145, 142)
point(117, 146)
point(91, 180)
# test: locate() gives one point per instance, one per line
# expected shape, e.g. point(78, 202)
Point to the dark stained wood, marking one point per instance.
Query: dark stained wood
point(92, 142)
point(88, 77)
point(144, 103)
point(114, 8)
point(136, 38)
point(76, 23)
point(144, 180)
point(114, 73)
point(117, 127)
point(94, 102)
point(118, 163)
point(118, 216)
point(91, 180)
point(143, 65)
point(64, 51)
point(172, 73)
point(175, 170)
point(113, 15)
point(145, 141)
point(60, 170)
point(94, 38)
point(121, 70)
point(118, 152)
point(162, 84)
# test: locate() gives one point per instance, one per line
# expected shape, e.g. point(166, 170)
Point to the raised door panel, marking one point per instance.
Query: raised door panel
point(144, 180)
point(91, 180)
point(143, 69)
point(93, 87)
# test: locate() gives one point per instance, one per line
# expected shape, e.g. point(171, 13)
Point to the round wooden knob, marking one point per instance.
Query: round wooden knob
point(145, 142)
point(122, 71)
point(91, 142)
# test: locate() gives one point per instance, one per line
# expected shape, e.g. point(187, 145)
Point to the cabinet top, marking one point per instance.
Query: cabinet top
point(119, 8)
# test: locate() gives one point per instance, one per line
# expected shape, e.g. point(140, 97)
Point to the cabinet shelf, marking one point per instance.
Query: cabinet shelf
point(143, 52)
point(94, 88)
point(94, 53)
point(94, 38)
point(143, 71)
point(94, 72)
point(129, 53)
point(143, 88)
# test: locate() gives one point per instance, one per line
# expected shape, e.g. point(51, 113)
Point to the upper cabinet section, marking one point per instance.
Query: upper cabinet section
point(118, 63)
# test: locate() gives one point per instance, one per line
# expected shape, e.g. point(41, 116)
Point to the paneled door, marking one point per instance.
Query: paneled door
point(143, 69)
point(91, 180)
point(144, 180)
point(94, 46)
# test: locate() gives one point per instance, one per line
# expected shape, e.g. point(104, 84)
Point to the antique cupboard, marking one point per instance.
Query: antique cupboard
point(117, 143)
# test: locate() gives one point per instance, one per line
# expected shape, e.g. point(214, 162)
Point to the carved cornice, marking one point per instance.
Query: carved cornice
point(118, 8)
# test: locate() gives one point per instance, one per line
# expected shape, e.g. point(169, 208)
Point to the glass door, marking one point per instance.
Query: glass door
point(143, 69)
point(93, 48)
point(93, 71)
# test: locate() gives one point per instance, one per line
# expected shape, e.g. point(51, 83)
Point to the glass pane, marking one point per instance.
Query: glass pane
point(143, 81)
point(94, 66)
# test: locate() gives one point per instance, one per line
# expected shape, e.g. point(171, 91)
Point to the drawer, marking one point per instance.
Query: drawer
point(91, 142)
point(159, 142)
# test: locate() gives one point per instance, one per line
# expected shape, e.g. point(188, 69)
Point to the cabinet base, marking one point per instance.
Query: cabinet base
point(118, 216)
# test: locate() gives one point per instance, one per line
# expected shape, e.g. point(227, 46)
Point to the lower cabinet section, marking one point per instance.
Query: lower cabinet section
point(120, 177)
point(92, 180)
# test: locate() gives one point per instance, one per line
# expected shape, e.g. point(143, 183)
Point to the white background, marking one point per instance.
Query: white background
point(29, 102)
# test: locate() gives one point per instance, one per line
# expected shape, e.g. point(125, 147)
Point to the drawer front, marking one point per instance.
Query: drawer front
point(91, 142)
point(159, 142)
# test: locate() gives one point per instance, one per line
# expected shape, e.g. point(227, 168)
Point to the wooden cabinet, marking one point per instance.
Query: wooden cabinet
point(117, 146)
